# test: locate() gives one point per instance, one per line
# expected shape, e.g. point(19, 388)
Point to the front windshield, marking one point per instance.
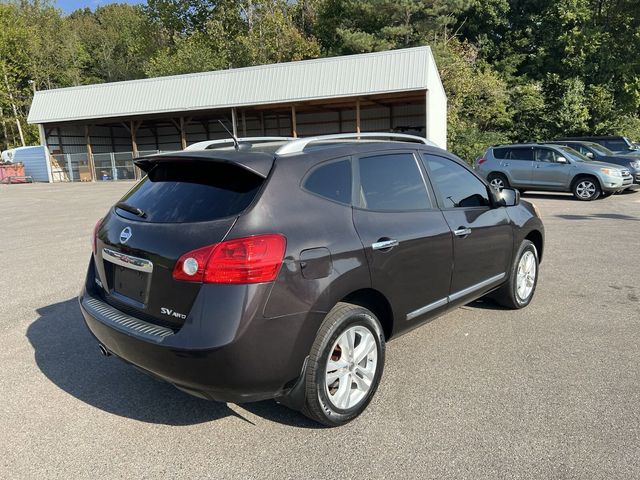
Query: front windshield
point(574, 155)
point(600, 149)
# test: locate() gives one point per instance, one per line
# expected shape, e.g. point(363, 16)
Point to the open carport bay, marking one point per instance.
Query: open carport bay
point(552, 391)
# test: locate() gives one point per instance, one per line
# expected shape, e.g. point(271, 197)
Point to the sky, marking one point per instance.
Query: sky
point(69, 6)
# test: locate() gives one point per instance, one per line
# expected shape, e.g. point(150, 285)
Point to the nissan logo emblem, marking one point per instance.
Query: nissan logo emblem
point(125, 235)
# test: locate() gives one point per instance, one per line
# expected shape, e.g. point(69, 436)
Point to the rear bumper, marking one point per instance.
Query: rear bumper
point(259, 359)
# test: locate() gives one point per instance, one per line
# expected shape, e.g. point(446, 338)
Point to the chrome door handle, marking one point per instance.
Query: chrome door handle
point(462, 232)
point(384, 244)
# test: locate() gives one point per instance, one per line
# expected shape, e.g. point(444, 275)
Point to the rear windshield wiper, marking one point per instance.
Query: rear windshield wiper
point(131, 209)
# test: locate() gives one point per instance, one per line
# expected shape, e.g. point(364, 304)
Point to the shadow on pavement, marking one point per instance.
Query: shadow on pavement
point(67, 354)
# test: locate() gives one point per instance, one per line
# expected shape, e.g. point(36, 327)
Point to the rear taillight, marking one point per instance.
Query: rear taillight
point(481, 161)
point(242, 260)
point(94, 237)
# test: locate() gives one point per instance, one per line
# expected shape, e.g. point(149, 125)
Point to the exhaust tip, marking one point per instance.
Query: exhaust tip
point(103, 350)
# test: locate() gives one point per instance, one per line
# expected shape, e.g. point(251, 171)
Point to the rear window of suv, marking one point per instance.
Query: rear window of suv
point(513, 153)
point(616, 145)
point(188, 191)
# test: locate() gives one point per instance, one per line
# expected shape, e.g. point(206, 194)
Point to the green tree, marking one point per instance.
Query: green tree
point(528, 108)
point(478, 99)
point(199, 52)
point(567, 110)
point(271, 35)
point(115, 42)
point(351, 26)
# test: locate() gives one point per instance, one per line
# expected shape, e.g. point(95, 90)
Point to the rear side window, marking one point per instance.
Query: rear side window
point(392, 182)
point(331, 181)
point(513, 153)
point(458, 187)
point(501, 153)
point(521, 154)
point(187, 191)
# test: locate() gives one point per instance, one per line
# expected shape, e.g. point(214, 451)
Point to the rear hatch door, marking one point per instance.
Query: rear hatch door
point(183, 203)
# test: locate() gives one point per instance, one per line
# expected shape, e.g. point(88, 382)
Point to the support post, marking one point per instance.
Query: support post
point(133, 129)
point(294, 126)
point(207, 131)
point(90, 161)
point(114, 170)
point(183, 138)
point(234, 122)
point(43, 136)
point(154, 130)
point(43, 142)
point(113, 140)
point(67, 159)
point(358, 116)
point(60, 145)
point(244, 124)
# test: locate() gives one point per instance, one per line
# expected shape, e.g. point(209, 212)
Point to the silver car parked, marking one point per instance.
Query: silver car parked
point(551, 168)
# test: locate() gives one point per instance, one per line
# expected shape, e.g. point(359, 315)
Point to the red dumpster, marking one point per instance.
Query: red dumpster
point(12, 173)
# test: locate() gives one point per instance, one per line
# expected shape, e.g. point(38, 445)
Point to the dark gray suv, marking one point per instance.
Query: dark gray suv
point(280, 268)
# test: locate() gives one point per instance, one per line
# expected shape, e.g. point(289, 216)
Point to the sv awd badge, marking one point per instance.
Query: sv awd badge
point(171, 313)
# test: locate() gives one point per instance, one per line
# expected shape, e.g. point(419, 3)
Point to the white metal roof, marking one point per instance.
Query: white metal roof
point(346, 76)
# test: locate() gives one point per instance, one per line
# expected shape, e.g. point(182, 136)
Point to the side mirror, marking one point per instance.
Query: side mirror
point(561, 160)
point(508, 197)
point(590, 155)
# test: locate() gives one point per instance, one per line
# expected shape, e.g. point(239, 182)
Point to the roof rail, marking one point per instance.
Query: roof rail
point(211, 144)
point(298, 145)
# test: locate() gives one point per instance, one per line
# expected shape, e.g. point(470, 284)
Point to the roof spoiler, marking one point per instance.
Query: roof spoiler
point(257, 163)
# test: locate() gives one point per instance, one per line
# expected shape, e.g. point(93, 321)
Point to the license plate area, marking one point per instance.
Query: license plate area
point(129, 277)
point(131, 284)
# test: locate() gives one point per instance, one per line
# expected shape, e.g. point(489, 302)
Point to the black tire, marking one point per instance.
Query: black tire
point(498, 180)
point(318, 406)
point(507, 295)
point(586, 189)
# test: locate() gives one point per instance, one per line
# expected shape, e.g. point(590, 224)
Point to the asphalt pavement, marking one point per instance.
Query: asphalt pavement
point(548, 392)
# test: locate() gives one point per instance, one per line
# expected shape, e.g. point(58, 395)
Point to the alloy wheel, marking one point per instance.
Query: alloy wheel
point(351, 367)
point(497, 183)
point(586, 189)
point(526, 276)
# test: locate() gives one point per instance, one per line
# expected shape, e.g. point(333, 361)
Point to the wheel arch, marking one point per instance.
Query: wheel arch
point(581, 176)
point(535, 237)
point(499, 173)
point(375, 301)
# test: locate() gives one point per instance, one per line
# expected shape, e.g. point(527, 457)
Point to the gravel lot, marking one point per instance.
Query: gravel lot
point(549, 392)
